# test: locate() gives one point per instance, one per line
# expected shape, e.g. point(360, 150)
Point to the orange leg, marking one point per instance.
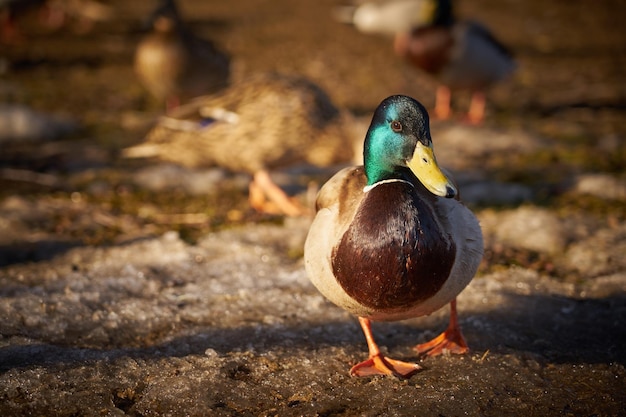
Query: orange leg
point(476, 112)
point(262, 186)
point(451, 340)
point(378, 364)
point(442, 103)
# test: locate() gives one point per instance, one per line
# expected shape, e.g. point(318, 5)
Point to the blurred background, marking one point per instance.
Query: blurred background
point(71, 101)
point(150, 285)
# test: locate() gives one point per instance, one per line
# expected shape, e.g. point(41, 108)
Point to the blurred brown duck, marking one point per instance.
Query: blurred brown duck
point(461, 55)
point(266, 122)
point(173, 64)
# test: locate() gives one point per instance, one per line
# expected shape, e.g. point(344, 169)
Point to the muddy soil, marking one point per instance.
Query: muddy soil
point(137, 288)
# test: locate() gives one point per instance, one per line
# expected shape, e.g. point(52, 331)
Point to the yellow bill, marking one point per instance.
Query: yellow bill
point(425, 167)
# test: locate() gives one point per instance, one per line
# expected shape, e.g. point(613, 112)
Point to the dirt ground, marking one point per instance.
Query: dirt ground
point(142, 289)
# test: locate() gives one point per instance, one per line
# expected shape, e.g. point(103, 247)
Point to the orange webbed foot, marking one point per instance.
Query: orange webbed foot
point(450, 341)
point(446, 342)
point(378, 364)
point(382, 365)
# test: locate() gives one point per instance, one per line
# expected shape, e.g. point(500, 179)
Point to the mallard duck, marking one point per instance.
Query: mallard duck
point(266, 122)
point(387, 17)
point(390, 241)
point(461, 55)
point(173, 64)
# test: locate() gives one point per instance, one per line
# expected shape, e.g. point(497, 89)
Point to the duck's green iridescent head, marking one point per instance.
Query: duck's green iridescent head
point(399, 139)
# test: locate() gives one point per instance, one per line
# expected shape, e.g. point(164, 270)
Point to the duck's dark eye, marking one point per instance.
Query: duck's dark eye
point(396, 126)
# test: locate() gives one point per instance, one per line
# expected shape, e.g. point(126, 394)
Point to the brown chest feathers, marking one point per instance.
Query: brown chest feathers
point(395, 253)
point(426, 48)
